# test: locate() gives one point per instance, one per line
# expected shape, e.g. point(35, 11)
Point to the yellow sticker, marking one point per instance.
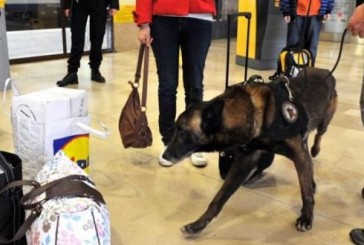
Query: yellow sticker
point(125, 14)
point(76, 148)
point(2, 4)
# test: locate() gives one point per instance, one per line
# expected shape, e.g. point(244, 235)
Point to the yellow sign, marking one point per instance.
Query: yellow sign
point(125, 14)
point(76, 148)
point(2, 3)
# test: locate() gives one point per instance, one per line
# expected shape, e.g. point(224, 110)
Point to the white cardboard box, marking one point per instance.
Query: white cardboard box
point(50, 104)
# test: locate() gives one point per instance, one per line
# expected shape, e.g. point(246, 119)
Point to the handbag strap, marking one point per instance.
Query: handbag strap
point(17, 183)
point(139, 64)
point(41, 189)
point(143, 53)
point(24, 227)
point(145, 79)
point(61, 189)
point(72, 185)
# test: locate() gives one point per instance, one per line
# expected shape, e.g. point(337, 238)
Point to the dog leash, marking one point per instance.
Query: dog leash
point(335, 65)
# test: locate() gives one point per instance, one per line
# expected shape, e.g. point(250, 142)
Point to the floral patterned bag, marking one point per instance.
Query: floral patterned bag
point(65, 208)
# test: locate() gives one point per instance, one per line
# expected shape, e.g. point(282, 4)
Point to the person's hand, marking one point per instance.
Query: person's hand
point(67, 12)
point(287, 18)
point(112, 12)
point(144, 35)
point(325, 17)
point(356, 22)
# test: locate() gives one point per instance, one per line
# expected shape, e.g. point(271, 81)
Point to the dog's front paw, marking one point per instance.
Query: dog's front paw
point(303, 223)
point(194, 227)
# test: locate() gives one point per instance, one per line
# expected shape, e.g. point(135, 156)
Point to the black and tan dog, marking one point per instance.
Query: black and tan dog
point(258, 120)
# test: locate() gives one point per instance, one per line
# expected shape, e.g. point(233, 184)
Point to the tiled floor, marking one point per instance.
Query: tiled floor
point(149, 204)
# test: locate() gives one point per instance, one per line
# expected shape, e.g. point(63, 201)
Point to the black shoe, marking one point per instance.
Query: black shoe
point(97, 77)
point(275, 76)
point(70, 78)
point(357, 236)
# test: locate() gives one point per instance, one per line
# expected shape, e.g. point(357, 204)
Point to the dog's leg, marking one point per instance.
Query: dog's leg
point(322, 127)
point(303, 163)
point(239, 171)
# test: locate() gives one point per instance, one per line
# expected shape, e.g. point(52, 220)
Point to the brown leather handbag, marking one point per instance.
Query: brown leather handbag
point(133, 123)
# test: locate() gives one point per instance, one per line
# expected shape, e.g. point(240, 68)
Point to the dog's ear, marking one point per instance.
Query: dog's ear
point(212, 117)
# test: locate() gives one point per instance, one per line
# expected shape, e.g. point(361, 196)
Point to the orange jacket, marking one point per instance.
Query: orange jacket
point(146, 8)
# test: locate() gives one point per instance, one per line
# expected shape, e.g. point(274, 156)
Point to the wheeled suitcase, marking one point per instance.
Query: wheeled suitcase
point(12, 214)
point(226, 158)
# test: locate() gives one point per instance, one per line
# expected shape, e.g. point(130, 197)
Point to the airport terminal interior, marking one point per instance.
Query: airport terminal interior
point(148, 204)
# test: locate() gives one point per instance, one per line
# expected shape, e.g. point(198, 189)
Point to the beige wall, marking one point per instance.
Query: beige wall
point(125, 31)
point(125, 36)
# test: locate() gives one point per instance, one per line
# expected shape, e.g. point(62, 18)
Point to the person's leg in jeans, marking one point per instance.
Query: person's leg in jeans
point(195, 42)
point(312, 35)
point(165, 34)
point(98, 17)
point(294, 31)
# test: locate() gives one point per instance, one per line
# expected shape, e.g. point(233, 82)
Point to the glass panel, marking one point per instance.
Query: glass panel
point(34, 28)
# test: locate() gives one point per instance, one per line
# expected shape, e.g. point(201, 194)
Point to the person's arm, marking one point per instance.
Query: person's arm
point(66, 7)
point(66, 4)
point(356, 22)
point(285, 7)
point(143, 19)
point(330, 6)
point(114, 4)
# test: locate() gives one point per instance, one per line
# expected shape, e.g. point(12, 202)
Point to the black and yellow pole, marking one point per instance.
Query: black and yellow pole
point(267, 37)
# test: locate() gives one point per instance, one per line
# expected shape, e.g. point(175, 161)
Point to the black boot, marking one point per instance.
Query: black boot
point(357, 236)
point(70, 78)
point(96, 76)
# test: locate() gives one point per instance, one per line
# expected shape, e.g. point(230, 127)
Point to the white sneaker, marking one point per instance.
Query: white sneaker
point(199, 159)
point(162, 161)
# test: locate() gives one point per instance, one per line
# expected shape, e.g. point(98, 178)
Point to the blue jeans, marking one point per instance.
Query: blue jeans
point(193, 38)
point(310, 36)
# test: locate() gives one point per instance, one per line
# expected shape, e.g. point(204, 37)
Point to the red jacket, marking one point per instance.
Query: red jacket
point(146, 8)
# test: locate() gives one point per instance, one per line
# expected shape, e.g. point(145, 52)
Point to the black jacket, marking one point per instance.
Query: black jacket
point(113, 4)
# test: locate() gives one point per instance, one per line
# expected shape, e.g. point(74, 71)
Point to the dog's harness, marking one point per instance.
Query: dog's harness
point(288, 108)
point(290, 117)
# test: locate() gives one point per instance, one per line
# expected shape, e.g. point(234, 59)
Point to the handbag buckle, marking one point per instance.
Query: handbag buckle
point(134, 84)
point(37, 209)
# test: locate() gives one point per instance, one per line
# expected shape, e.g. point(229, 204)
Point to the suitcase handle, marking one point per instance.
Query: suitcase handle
point(248, 16)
